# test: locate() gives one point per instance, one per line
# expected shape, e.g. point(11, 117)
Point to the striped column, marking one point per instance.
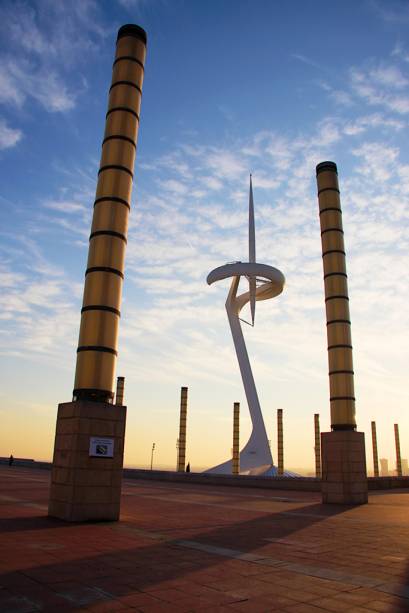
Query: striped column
point(375, 450)
point(120, 384)
point(182, 430)
point(341, 374)
point(397, 445)
point(236, 439)
point(317, 446)
point(98, 338)
point(280, 443)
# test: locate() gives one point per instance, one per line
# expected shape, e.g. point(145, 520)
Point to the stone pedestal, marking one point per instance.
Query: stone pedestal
point(86, 487)
point(344, 478)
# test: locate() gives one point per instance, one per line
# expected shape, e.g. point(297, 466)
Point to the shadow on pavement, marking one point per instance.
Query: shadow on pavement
point(120, 571)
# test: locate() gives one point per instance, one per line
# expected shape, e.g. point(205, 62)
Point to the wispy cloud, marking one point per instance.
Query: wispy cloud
point(306, 60)
point(374, 120)
point(64, 206)
point(376, 160)
point(21, 80)
point(44, 41)
point(400, 52)
point(9, 137)
point(381, 86)
point(394, 11)
point(132, 4)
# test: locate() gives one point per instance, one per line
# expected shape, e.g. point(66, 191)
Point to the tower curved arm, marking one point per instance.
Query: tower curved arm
point(272, 286)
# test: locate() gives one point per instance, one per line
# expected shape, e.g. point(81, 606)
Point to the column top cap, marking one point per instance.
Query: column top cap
point(131, 29)
point(324, 166)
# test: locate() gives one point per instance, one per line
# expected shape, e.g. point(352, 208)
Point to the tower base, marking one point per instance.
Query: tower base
point(344, 479)
point(87, 467)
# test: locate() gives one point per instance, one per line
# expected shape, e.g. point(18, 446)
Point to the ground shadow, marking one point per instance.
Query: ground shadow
point(122, 571)
point(40, 522)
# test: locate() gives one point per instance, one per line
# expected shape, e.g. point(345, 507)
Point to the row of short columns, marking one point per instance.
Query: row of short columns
point(280, 438)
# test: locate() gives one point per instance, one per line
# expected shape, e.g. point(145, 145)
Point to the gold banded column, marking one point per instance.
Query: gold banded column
point(236, 439)
point(280, 443)
point(98, 338)
point(341, 374)
point(398, 456)
point(374, 450)
point(86, 475)
point(344, 478)
point(119, 397)
point(317, 446)
point(182, 430)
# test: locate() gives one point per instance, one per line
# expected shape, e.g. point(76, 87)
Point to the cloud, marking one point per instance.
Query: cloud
point(375, 120)
point(173, 186)
point(341, 97)
point(377, 160)
point(391, 76)
point(378, 87)
point(400, 52)
point(39, 311)
point(211, 183)
point(306, 60)
point(43, 43)
point(132, 4)
point(21, 80)
point(50, 30)
point(64, 206)
point(394, 11)
point(9, 137)
point(226, 164)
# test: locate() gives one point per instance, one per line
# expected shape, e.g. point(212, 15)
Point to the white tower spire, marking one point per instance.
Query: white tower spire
point(252, 253)
point(252, 232)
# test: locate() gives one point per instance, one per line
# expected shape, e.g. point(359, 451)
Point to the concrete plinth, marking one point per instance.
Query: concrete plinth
point(344, 479)
point(84, 487)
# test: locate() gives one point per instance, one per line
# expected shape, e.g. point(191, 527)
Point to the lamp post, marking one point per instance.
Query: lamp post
point(153, 449)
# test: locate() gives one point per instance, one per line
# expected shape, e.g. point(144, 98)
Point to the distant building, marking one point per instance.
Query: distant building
point(405, 468)
point(384, 467)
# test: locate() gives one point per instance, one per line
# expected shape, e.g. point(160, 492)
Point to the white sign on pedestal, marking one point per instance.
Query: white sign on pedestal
point(101, 447)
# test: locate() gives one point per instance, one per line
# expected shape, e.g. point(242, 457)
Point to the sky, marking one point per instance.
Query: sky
point(231, 87)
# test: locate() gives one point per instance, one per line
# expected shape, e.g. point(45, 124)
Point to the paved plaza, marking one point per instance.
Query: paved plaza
point(187, 547)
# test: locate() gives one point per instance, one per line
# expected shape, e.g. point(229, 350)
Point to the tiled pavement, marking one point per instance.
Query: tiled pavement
point(182, 547)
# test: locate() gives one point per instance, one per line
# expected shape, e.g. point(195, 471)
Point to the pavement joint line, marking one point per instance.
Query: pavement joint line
point(311, 547)
point(86, 595)
point(22, 502)
point(240, 507)
point(154, 536)
point(128, 482)
point(27, 605)
point(27, 478)
point(397, 589)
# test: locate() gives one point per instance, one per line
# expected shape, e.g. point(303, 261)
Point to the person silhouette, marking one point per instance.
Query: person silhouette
point(188, 467)
point(11, 459)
